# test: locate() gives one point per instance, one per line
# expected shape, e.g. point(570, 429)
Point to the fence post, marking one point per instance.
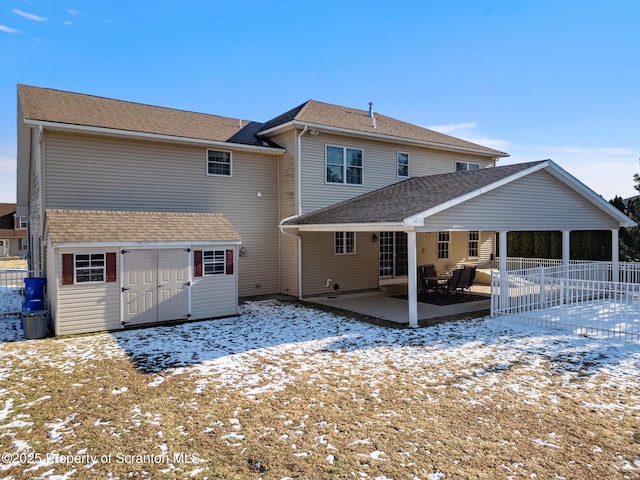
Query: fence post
point(543, 289)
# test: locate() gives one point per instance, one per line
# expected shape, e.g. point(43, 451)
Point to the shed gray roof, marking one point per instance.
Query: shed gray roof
point(401, 200)
point(104, 226)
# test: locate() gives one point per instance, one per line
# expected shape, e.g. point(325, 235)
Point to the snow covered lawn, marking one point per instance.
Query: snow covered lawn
point(286, 391)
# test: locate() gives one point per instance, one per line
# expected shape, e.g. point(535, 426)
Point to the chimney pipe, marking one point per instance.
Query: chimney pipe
point(370, 109)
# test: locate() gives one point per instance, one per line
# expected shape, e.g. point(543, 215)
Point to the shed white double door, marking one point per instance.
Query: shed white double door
point(155, 285)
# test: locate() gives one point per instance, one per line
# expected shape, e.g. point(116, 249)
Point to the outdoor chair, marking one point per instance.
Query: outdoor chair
point(452, 285)
point(466, 279)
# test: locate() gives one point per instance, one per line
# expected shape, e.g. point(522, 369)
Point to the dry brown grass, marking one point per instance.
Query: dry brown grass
point(12, 263)
point(465, 422)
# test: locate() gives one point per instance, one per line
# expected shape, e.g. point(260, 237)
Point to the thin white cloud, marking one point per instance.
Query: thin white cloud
point(4, 28)
point(72, 11)
point(29, 16)
point(466, 131)
point(68, 23)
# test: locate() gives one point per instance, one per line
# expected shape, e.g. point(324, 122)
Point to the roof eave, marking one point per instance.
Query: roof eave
point(439, 146)
point(349, 227)
point(150, 136)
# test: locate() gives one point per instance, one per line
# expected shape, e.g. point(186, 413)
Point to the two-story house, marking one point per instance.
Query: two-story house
point(13, 232)
point(142, 214)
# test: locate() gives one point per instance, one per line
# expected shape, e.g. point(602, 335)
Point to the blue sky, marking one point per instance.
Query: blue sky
point(537, 79)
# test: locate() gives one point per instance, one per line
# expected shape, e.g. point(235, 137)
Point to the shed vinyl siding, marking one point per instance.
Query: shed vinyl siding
point(90, 307)
point(535, 202)
point(94, 172)
point(379, 167)
point(350, 272)
point(215, 295)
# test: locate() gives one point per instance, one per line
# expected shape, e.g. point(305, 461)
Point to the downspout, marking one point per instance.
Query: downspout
point(298, 208)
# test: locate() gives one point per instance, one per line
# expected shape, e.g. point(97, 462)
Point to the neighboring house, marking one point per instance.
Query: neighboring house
point(13, 232)
point(320, 192)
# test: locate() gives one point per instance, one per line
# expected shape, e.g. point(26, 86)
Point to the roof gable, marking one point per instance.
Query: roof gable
point(410, 202)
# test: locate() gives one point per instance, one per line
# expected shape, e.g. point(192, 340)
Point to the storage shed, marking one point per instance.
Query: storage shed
point(110, 270)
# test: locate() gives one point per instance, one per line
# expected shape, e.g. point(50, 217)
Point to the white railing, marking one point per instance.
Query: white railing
point(579, 297)
point(12, 290)
point(583, 269)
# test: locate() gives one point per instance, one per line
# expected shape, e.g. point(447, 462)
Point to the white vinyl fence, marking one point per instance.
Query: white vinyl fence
point(12, 290)
point(583, 297)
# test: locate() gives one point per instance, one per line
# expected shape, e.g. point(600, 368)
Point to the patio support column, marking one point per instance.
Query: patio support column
point(615, 254)
point(413, 278)
point(566, 251)
point(504, 285)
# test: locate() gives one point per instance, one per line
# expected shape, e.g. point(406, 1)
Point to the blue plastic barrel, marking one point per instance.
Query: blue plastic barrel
point(32, 305)
point(34, 288)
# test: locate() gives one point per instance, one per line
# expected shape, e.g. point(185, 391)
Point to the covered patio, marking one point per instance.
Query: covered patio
point(535, 196)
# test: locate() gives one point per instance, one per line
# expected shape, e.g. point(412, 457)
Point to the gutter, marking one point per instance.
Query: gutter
point(391, 138)
point(151, 136)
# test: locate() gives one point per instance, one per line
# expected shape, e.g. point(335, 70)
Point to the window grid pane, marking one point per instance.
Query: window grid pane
point(403, 164)
point(89, 267)
point(474, 240)
point(213, 262)
point(218, 163)
point(443, 244)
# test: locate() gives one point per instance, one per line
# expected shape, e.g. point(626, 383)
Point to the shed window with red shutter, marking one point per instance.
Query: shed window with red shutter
point(88, 268)
point(217, 262)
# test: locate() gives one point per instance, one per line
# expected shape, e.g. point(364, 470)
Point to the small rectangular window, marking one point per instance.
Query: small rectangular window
point(443, 244)
point(345, 243)
point(474, 240)
point(463, 166)
point(213, 262)
point(403, 164)
point(343, 165)
point(21, 222)
point(89, 267)
point(218, 163)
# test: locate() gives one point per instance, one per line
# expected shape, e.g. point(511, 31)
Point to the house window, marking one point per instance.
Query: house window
point(213, 262)
point(462, 166)
point(345, 243)
point(443, 244)
point(343, 165)
point(23, 244)
point(89, 267)
point(21, 223)
point(218, 163)
point(393, 254)
point(403, 164)
point(474, 240)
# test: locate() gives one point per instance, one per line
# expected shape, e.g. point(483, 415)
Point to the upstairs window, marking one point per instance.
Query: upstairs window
point(343, 165)
point(218, 163)
point(345, 243)
point(21, 222)
point(403, 164)
point(462, 166)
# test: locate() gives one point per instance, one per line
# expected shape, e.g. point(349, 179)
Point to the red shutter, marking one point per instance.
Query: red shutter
point(67, 268)
point(110, 262)
point(197, 263)
point(229, 263)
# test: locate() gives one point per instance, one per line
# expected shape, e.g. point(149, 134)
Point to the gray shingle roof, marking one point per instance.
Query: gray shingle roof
point(396, 202)
point(49, 105)
point(320, 113)
point(103, 226)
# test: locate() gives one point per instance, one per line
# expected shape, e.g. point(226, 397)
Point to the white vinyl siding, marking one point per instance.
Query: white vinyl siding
point(92, 172)
point(215, 295)
point(85, 307)
point(538, 201)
